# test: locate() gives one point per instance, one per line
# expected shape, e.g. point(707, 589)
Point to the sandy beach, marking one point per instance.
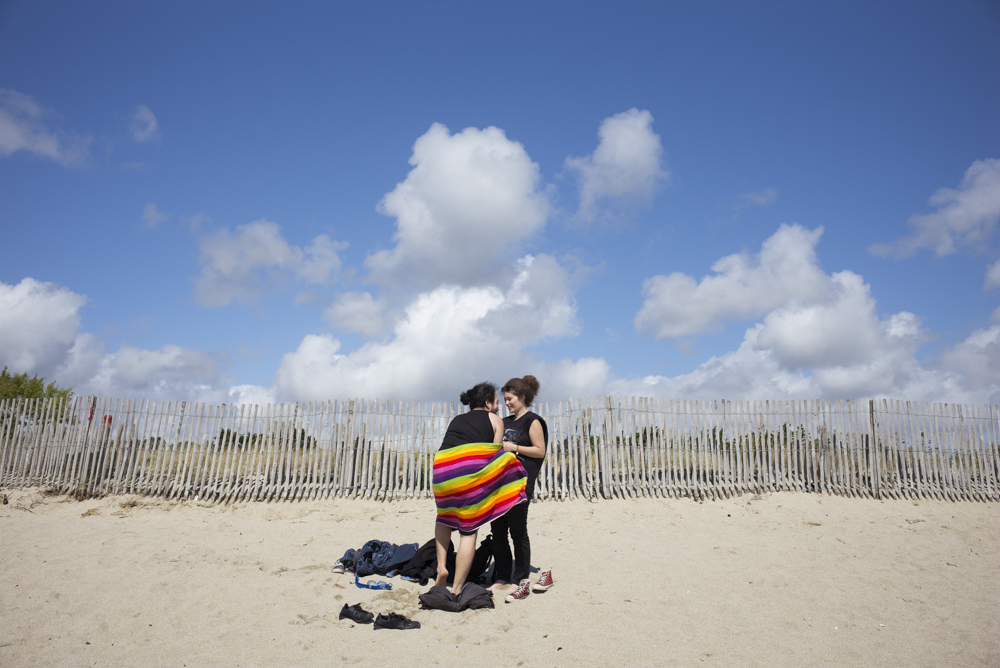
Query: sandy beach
point(781, 579)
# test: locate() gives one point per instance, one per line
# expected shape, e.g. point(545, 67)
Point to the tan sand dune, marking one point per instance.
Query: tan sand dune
point(784, 580)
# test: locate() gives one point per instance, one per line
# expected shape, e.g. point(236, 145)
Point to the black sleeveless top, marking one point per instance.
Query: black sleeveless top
point(516, 431)
point(471, 427)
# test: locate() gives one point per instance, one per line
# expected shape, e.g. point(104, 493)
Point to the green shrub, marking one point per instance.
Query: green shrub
point(13, 386)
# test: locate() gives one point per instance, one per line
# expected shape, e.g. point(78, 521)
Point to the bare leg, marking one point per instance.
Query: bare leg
point(463, 561)
point(442, 538)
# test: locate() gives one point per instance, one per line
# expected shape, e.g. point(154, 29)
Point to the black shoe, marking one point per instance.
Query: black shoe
point(356, 613)
point(394, 621)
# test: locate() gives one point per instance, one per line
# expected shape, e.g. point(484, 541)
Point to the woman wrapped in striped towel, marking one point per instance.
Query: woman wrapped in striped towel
point(475, 480)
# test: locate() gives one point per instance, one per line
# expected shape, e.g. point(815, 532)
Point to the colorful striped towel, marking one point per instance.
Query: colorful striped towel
point(475, 484)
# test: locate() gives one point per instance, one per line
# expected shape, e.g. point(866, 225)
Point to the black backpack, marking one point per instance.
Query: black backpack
point(423, 566)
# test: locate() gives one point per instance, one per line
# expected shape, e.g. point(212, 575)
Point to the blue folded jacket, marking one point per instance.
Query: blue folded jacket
point(378, 557)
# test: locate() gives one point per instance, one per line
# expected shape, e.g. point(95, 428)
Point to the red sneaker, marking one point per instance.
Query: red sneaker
point(522, 591)
point(544, 583)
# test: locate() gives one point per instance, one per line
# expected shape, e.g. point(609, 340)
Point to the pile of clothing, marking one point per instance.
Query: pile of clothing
point(473, 597)
point(378, 557)
point(413, 563)
point(419, 564)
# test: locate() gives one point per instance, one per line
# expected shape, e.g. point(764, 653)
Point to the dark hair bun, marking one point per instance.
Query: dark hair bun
point(532, 383)
point(478, 396)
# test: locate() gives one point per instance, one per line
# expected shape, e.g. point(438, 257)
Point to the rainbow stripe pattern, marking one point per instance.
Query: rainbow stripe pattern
point(475, 484)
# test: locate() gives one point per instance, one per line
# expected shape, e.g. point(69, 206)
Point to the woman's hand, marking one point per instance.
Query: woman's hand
point(537, 447)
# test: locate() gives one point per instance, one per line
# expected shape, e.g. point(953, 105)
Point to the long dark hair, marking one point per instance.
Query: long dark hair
point(479, 395)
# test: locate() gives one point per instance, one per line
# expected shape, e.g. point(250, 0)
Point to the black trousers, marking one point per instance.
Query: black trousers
point(515, 523)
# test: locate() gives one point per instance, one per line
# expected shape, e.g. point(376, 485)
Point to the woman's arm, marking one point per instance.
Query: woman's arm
point(497, 428)
point(537, 438)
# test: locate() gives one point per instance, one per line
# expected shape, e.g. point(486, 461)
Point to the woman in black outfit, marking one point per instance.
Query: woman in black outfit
point(526, 435)
point(475, 480)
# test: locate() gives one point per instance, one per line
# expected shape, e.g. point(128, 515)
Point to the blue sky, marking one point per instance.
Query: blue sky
point(264, 201)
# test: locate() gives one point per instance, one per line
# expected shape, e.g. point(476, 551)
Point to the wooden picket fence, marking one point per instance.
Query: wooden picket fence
point(599, 447)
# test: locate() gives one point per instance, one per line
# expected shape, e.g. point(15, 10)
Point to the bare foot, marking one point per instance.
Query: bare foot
point(499, 585)
point(442, 579)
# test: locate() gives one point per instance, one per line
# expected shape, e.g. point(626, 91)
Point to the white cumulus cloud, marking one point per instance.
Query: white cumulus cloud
point(38, 325)
point(568, 379)
point(170, 372)
point(744, 373)
point(22, 129)
point(469, 199)
point(437, 343)
point(819, 335)
point(40, 334)
point(626, 167)
point(538, 304)
point(970, 368)
point(239, 266)
point(841, 330)
point(455, 307)
point(742, 287)
point(446, 340)
point(250, 394)
point(144, 127)
point(882, 361)
point(320, 262)
point(965, 217)
point(358, 312)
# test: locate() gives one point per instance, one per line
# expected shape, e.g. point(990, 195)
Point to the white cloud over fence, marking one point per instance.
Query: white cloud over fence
point(446, 337)
point(784, 271)
point(38, 325)
point(819, 335)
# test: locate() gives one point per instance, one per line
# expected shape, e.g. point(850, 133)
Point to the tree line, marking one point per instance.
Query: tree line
point(15, 386)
